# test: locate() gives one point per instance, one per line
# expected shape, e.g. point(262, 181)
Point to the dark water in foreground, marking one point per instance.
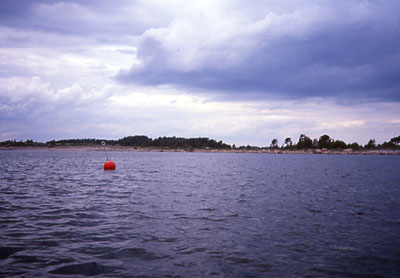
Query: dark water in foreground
point(198, 215)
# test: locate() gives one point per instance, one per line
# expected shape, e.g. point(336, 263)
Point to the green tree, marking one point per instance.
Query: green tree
point(325, 142)
point(288, 142)
point(338, 144)
point(137, 141)
point(395, 140)
point(274, 143)
point(304, 142)
point(354, 146)
point(371, 144)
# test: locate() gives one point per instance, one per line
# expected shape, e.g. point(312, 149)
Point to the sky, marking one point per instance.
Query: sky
point(232, 70)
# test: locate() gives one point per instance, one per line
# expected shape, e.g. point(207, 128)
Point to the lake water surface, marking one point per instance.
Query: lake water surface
point(198, 215)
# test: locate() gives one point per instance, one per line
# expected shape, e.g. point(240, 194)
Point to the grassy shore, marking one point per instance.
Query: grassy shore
point(260, 150)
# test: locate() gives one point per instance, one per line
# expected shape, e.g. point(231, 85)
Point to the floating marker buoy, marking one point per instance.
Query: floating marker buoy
point(109, 165)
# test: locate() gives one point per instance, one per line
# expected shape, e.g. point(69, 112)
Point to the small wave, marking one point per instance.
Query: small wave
point(58, 261)
point(139, 253)
point(46, 243)
point(170, 239)
point(239, 260)
point(192, 250)
point(343, 248)
point(315, 210)
point(7, 251)
point(180, 217)
point(249, 262)
point(326, 271)
point(18, 234)
point(26, 259)
point(208, 209)
point(86, 269)
point(212, 219)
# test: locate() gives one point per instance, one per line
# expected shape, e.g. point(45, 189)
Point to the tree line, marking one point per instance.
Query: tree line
point(132, 141)
point(326, 142)
point(304, 142)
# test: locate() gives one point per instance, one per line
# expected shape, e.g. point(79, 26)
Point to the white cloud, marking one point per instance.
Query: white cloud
point(73, 112)
point(222, 33)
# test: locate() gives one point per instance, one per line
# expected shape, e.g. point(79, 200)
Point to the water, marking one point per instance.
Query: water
point(198, 215)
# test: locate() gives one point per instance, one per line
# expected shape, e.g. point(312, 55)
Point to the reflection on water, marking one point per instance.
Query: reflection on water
point(198, 215)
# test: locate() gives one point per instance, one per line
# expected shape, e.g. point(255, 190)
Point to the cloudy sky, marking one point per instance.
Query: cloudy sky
point(233, 70)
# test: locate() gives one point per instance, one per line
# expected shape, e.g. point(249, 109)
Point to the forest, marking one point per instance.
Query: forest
point(304, 142)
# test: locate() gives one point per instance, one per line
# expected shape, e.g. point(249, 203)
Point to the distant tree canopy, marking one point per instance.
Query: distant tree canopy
point(325, 142)
point(274, 143)
point(288, 142)
point(395, 140)
point(304, 142)
point(199, 143)
point(371, 144)
point(144, 141)
point(138, 141)
point(15, 143)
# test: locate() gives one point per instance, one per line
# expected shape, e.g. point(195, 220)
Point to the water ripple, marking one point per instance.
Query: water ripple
point(198, 215)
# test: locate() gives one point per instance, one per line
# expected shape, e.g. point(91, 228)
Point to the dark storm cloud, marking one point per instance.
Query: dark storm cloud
point(337, 57)
point(72, 17)
point(290, 49)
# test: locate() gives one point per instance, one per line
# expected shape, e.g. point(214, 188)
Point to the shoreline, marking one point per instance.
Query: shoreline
point(150, 149)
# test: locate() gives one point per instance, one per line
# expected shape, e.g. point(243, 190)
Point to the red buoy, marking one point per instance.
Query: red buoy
point(109, 165)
